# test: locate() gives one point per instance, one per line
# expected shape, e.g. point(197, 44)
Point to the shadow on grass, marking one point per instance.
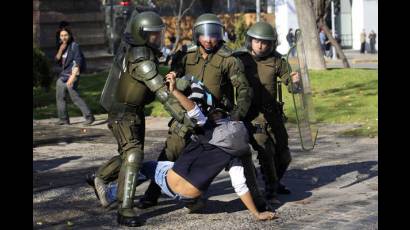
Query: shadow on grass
point(349, 87)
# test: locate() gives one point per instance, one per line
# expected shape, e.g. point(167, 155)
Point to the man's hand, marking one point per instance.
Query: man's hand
point(267, 216)
point(295, 77)
point(170, 78)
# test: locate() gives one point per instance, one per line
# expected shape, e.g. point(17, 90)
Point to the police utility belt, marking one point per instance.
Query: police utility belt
point(178, 128)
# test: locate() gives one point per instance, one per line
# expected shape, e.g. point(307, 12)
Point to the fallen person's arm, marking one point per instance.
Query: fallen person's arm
point(239, 184)
point(193, 111)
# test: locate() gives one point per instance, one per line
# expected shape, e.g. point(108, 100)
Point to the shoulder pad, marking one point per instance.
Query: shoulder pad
point(146, 70)
point(139, 53)
point(224, 51)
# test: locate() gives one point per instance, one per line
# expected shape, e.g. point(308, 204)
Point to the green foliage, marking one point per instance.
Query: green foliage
point(91, 85)
point(42, 76)
point(240, 32)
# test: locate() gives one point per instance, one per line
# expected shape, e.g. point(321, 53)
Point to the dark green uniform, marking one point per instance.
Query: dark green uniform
point(270, 137)
point(139, 84)
point(263, 67)
point(223, 75)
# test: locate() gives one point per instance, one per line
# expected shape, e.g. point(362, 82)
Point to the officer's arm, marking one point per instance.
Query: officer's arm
point(284, 72)
point(178, 63)
point(243, 90)
point(147, 72)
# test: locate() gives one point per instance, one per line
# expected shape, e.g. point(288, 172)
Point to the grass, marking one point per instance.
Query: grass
point(343, 96)
point(339, 96)
point(91, 85)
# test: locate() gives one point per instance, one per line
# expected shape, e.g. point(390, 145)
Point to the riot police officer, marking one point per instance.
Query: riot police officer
point(133, 82)
point(212, 63)
point(263, 66)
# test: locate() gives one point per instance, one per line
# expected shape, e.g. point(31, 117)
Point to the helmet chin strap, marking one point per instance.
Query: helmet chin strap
point(155, 49)
point(261, 56)
point(211, 50)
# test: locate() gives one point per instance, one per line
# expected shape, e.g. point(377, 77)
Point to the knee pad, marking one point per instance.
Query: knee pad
point(133, 157)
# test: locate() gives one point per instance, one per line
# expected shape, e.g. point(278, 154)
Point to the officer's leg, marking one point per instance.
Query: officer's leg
point(266, 152)
point(132, 155)
point(282, 156)
point(109, 171)
point(174, 146)
point(61, 100)
point(78, 101)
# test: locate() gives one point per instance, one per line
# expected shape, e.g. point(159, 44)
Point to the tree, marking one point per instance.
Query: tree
point(178, 21)
point(178, 8)
point(307, 23)
point(321, 9)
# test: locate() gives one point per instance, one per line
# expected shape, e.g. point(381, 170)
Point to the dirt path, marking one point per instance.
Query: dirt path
point(335, 186)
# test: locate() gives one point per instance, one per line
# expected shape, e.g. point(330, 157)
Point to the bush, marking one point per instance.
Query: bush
point(42, 76)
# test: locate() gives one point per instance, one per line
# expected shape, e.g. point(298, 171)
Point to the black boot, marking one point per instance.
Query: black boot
point(150, 197)
point(144, 203)
point(89, 178)
point(195, 205)
point(128, 218)
point(271, 193)
point(282, 189)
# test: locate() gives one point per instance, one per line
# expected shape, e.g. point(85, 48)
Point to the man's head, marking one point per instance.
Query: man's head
point(216, 114)
point(147, 28)
point(208, 32)
point(261, 39)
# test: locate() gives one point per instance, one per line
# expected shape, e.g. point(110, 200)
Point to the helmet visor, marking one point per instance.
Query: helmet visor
point(209, 31)
point(154, 36)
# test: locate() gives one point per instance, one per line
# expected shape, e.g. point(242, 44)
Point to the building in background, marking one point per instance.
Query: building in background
point(353, 17)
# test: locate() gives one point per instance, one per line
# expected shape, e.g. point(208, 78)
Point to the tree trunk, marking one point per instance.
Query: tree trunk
point(178, 26)
point(178, 23)
point(333, 41)
point(321, 9)
point(307, 23)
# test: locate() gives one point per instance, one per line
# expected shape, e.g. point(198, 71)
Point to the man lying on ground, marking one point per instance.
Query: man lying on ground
point(217, 144)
